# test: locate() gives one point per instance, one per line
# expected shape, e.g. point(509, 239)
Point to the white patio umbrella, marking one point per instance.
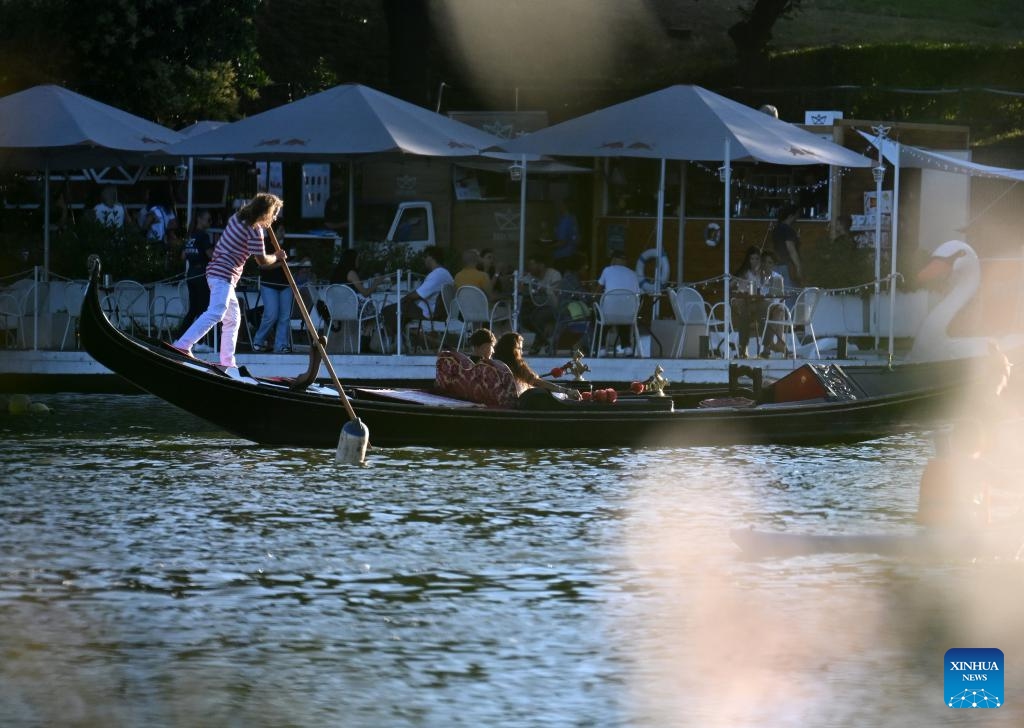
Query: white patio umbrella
point(342, 123)
point(49, 128)
point(903, 155)
point(686, 123)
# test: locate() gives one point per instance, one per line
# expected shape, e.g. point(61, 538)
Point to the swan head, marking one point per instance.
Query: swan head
point(946, 260)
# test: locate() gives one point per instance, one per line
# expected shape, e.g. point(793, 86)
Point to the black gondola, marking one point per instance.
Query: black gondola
point(279, 413)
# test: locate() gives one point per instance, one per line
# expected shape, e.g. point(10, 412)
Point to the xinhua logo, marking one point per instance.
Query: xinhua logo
point(974, 677)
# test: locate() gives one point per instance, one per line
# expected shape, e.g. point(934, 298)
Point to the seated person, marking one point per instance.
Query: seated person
point(486, 382)
point(482, 341)
point(540, 299)
point(347, 273)
point(616, 276)
point(471, 275)
point(423, 302)
point(575, 312)
point(745, 309)
point(510, 351)
point(772, 286)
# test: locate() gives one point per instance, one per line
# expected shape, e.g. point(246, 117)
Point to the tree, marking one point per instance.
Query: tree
point(161, 59)
point(752, 34)
point(307, 46)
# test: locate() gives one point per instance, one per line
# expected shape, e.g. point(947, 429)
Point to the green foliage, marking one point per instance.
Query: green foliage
point(385, 257)
point(164, 60)
point(839, 263)
point(124, 255)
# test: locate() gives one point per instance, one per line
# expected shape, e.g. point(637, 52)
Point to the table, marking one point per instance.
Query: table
point(749, 312)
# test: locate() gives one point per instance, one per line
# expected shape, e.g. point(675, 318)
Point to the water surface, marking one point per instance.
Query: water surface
point(154, 570)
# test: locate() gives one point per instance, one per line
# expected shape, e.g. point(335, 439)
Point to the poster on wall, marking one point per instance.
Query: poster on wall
point(316, 187)
point(270, 178)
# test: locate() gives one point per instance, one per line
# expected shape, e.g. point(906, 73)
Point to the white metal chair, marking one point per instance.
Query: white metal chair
point(476, 310)
point(716, 331)
point(131, 306)
point(30, 298)
point(800, 316)
point(691, 314)
point(351, 312)
point(422, 327)
point(74, 295)
point(617, 307)
point(168, 313)
point(10, 318)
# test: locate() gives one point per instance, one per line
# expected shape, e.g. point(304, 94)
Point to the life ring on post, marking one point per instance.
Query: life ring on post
point(712, 234)
point(647, 284)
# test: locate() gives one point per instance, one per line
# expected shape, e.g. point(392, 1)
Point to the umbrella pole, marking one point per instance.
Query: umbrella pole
point(188, 201)
point(46, 221)
point(353, 430)
point(682, 222)
point(522, 243)
point(727, 324)
point(659, 239)
point(351, 242)
point(893, 237)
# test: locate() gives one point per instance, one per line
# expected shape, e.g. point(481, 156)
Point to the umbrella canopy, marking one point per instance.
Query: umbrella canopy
point(200, 127)
point(341, 122)
point(49, 127)
point(685, 122)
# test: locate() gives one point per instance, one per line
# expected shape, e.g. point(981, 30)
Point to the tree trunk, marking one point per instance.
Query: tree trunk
point(752, 35)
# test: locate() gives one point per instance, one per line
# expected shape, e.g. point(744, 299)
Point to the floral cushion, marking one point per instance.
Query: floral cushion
point(487, 382)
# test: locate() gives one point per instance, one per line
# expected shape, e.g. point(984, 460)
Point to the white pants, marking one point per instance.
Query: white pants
point(223, 308)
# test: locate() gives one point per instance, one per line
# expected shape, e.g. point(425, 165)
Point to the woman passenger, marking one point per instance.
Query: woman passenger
point(510, 351)
point(347, 273)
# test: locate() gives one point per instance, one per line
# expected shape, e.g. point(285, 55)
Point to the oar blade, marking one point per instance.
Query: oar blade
point(352, 443)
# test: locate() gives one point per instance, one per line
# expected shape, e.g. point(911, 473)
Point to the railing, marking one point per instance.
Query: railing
point(39, 314)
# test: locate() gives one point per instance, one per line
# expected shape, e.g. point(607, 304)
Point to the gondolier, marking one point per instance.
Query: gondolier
point(242, 237)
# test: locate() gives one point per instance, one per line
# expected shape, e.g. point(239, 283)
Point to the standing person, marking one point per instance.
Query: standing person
point(108, 211)
point(242, 237)
point(159, 225)
point(196, 254)
point(567, 235)
point(510, 351)
point(422, 303)
point(786, 242)
point(277, 298)
point(336, 209)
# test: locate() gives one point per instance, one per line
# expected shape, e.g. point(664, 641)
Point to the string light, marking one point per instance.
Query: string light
point(772, 190)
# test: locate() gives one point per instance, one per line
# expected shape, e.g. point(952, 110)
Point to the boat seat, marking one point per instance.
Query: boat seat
point(487, 382)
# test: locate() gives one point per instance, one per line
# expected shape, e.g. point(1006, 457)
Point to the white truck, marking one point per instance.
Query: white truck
point(413, 225)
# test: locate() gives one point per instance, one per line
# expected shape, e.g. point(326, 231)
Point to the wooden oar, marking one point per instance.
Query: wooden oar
point(354, 435)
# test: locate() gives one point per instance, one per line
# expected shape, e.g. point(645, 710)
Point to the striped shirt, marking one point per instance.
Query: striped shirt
point(236, 244)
